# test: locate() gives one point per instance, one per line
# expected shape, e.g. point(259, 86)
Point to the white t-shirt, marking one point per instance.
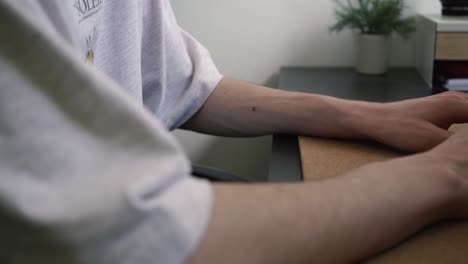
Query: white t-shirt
point(87, 173)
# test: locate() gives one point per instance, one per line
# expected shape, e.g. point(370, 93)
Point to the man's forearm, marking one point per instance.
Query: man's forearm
point(240, 109)
point(341, 220)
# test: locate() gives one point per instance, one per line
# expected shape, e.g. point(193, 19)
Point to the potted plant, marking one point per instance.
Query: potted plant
point(375, 21)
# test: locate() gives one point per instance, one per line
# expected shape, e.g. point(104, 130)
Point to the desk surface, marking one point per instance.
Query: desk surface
point(396, 85)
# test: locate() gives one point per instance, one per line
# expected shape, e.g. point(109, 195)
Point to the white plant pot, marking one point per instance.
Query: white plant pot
point(373, 53)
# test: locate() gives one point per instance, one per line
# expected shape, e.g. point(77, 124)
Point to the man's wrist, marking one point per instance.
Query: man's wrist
point(437, 174)
point(447, 170)
point(318, 115)
point(362, 119)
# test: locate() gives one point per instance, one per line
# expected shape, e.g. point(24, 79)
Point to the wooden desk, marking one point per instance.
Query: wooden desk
point(322, 158)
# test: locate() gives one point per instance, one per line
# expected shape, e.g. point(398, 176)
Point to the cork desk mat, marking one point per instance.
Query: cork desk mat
point(445, 243)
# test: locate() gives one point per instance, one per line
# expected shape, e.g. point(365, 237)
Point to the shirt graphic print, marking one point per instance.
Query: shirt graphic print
point(88, 18)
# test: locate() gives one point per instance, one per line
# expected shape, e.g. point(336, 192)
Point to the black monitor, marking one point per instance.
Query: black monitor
point(455, 7)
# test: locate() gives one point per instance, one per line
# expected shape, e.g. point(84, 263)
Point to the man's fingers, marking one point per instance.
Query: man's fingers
point(460, 130)
point(420, 136)
point(431, 136)
point(456, 106)
point(458, 127)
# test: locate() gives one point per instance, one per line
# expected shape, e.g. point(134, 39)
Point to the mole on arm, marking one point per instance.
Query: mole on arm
point(254, 109)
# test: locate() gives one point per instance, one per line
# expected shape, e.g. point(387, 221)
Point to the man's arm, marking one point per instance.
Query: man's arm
point(341, 220)
point(237, 108)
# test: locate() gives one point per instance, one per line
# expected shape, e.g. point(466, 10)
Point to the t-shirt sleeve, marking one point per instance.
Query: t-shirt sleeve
point(86, 174)
point(178, 72)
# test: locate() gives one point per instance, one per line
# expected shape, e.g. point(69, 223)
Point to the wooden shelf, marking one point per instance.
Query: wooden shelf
point(452, 46)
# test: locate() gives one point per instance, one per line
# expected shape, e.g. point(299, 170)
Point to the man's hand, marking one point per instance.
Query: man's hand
point(455, 152)
point(419, 124)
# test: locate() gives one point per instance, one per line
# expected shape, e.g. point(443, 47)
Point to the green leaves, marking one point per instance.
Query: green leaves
point(373, 17)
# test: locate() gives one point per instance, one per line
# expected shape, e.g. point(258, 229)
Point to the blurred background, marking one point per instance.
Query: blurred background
point(251, 40)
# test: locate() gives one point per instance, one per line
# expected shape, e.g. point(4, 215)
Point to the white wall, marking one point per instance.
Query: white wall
point(251, 39)
point(426, 6)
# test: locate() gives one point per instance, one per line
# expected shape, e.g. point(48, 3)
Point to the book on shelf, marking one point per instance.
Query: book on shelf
point(452, 84)
point(450, 76)
point(457, 88)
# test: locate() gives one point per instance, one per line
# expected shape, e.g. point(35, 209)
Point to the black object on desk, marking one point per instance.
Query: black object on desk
point(215, 175)
point(396, 85)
